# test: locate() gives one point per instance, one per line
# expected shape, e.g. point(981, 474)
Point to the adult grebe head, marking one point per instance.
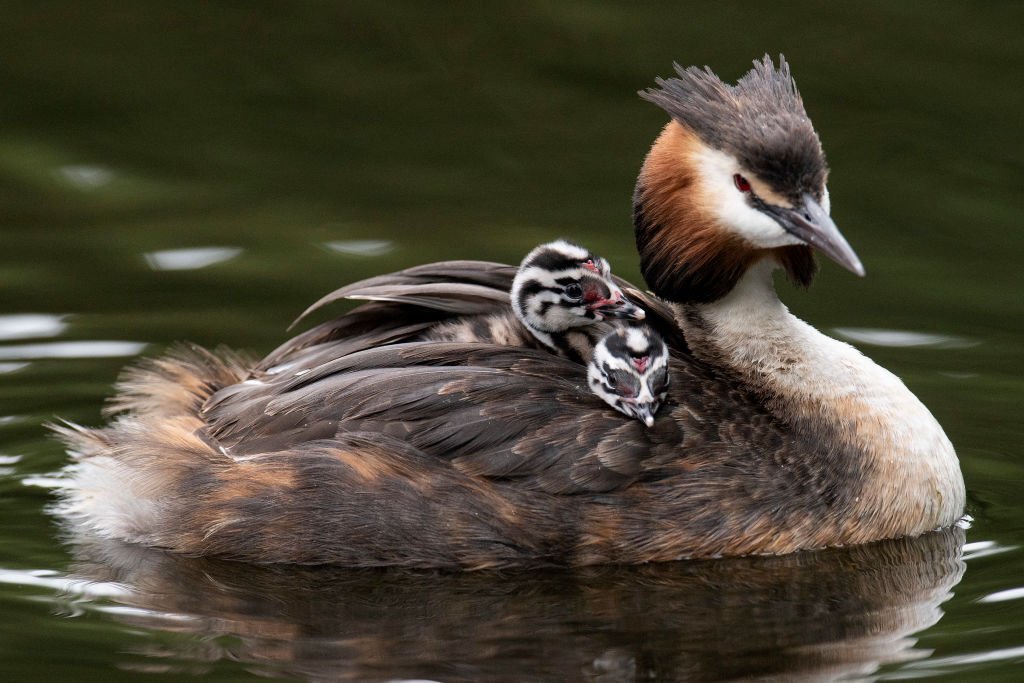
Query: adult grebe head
point(736, 176)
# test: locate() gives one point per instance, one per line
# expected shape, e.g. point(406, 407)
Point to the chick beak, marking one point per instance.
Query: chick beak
point(617, 306)
point(811, 223)
point(645, 414)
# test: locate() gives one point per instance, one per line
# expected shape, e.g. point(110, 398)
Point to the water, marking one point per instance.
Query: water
point(203, 172)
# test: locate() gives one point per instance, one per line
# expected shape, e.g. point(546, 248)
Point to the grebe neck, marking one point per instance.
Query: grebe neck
point(833, 394)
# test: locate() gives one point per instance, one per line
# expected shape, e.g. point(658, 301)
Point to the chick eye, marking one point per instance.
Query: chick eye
point(574, 291)
point(742, 184)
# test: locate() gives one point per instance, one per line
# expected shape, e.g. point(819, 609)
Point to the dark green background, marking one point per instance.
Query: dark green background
point(478, 130)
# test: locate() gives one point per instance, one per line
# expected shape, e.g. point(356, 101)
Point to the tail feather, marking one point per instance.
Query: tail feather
point(177, 383)
point(118, 484)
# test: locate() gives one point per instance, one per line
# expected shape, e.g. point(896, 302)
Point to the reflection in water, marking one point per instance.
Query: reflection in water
point(190, 259)
point(31, 325)
point(979, 549)
point(10, 368)
point(903, 339)
point(361, 247)
point(1003, 596)
point(71, 349)
point(85, 176)
point(809, 616)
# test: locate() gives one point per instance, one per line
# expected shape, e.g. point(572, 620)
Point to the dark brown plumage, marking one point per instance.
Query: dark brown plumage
point(366, 441)
point(468, 455)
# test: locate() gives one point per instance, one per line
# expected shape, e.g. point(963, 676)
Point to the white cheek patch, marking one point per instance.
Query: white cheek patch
point(826, 201)
point(716, 171)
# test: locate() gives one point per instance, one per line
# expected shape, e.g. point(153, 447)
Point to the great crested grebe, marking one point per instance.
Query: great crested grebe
point(352, 444)
point(629, 371)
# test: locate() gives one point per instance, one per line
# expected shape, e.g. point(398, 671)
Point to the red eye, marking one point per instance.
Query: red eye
point(742, 184)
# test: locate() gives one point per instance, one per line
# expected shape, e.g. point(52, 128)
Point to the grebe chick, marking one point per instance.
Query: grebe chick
point(629, 370)
point(561, 287)
point(561, 297)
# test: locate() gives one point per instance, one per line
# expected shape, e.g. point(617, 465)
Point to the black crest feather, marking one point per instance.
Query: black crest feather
point(761, 121)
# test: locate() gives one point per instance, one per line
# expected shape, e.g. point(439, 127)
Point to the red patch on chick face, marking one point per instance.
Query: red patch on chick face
point(598, 297)
point(593, 293)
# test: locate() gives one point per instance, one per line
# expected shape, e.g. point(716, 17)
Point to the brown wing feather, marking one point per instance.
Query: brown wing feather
point(341, 377)
point(486, 274)
point(487, 408)
point(448, 297)
point(405, 305)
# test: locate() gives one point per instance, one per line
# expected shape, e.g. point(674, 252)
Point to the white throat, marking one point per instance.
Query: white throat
point(809, 377)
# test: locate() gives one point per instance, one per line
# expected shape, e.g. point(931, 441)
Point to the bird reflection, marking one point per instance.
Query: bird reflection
point(808, 616)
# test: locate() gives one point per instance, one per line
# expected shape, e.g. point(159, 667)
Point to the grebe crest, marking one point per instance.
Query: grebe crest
point(629, 371)
point(560, 286)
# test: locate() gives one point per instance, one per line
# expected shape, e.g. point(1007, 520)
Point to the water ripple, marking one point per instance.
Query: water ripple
point(6, 462)
point(978, 549)
point(190, 259)
point(904, 338)
point(85, 176)
point(71, 349)
point(1003, 596)
point(48, 578)
point(31, 325)
point(978, 658)
point(9, 368)
point(43, 482)
point(361, 247)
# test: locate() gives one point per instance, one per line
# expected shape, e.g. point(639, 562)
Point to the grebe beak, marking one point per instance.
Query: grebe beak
point(812, 224)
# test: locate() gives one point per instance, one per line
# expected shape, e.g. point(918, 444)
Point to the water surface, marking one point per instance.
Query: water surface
point(203, 172)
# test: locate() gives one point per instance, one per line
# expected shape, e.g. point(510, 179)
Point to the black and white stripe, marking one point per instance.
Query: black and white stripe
point(561, 291)
point(629, 371)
